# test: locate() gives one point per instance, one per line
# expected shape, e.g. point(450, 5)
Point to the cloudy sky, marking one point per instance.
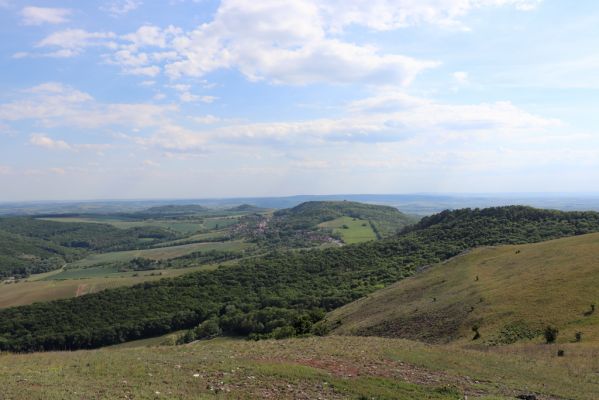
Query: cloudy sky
point(175, 98)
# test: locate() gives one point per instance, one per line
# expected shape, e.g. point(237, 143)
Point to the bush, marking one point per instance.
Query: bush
point(208, 329)
point(283, 332)
point(550, 334)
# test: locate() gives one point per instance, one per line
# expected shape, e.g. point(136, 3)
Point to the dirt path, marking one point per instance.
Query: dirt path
point(81, 289)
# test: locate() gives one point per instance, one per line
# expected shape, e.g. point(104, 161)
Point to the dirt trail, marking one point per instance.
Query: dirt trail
point(81, 290)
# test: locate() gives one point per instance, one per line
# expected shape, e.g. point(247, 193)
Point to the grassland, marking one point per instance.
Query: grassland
point(351, 230)
point(98, 272)
point(44, 289)
point(186, 227)
point(510, 292)
point(327, 368)
point(160, 253)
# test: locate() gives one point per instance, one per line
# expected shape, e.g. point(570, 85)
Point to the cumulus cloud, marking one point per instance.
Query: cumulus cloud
point(282, 42)
point(44, 15)
point(71, 42)
point(367, 121)
point(54, 104)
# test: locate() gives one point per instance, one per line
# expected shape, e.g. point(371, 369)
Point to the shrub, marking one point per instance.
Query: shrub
point(283, 332)
point(550, 334)
point(208, 329)
point(476, 332)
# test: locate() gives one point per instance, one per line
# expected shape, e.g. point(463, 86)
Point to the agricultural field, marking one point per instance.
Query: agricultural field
point(159, 253)
point(41, 288)
point(185, 227)
point(351, 230)
point(318, 367)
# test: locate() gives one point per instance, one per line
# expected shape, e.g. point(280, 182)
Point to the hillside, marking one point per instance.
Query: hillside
point(384, 219)
point(510, 292)
point(29, 245)
point(283, 294)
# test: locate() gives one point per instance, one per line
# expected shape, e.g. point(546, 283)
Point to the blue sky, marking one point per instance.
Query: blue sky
point(175, 98)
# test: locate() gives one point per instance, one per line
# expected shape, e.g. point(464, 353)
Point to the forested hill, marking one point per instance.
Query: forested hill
point(384, 219)
point(29, 245)
point(281, 295)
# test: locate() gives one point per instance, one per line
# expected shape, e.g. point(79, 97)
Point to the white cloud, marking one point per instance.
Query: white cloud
point(44, 141)
point(121, 7)
point(282, 42)
point(72, 42)
point(150, 163)
point(460, 77)
point(384, 15)
point(54, 104)
point(44, 15)
point(206, 119)
point(368, 121)
point(5, 170)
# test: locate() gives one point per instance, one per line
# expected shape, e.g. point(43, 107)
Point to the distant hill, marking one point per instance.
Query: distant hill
point(245, 208)
point(385, 220)
point(175, 210)
point(510, 293)
point(29, 245)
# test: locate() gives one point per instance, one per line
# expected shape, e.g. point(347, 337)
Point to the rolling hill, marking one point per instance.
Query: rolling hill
point(282, 294)
point(384, 220)
point(511, 293)
point(29, 245)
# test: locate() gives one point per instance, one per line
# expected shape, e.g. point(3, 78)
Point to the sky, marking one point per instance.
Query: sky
point(121, 99)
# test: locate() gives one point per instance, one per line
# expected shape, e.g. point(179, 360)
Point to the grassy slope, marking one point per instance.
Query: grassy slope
point(519, 289)
point(42, 289)
point(330, 367)
point(357, 230)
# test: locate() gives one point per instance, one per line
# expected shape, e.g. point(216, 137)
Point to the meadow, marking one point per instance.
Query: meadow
point(159, 253)
point(351, 230)
point(182, 226)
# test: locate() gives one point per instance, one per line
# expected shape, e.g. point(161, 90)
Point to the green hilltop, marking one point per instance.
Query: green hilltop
point(385, 220)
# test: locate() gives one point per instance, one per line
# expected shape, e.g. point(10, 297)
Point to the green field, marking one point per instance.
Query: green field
point(198, 237)
point(41, 287)
point(351, 230)
point(327, 368)
point(160, 253)
point(183, 227)
point(186, 227)
point(509, 292)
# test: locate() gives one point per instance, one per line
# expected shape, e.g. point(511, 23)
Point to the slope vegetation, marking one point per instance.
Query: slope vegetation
point(280, 295)
point(328, 368)
point(511, 293)
point(29, 245)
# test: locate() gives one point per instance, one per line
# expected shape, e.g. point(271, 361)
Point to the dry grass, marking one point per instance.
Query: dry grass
point(328, 368)
point(504, 290)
